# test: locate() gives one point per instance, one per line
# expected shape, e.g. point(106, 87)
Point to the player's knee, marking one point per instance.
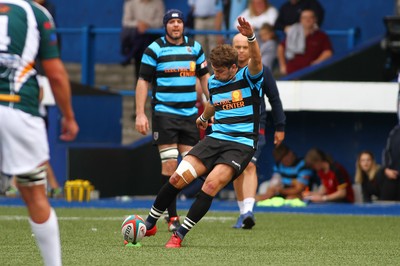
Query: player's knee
point(37, 176)
point(169, 167)
point(251, 167)
point(186, 172)
point(168, 154)
point(210, 187)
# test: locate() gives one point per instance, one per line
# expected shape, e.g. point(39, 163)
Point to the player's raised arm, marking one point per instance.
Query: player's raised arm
point(255, 63)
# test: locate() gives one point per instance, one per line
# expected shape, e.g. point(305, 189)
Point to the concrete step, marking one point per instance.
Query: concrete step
point(106, 75)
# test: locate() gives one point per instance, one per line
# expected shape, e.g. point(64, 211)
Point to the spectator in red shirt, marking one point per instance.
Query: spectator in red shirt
point(290, 11)
point(304, 45)
point(336, 185)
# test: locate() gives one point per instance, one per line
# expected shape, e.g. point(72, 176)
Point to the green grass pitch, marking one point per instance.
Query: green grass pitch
point(92, 237)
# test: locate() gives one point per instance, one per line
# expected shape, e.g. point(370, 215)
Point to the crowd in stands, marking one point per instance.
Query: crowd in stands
point(259, 12)
point(305, 45)
point(207, 15)
point(320, 178)
point(335, 181)
point(268, 45)
point(290, 176)
point(380, 182)
point(138, 16)
point(301, 41)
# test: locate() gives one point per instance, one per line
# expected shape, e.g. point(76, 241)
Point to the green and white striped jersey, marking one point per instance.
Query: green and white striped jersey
point(27, 32)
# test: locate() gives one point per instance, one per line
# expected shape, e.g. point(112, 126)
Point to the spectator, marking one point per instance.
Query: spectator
point(336, 185)
point(208, 15)
point(290, 11)
point(390, 186)
point(246, 185)
point(260, 12)
point(139, 16)
point(305, 45)
point(268, 45)
point(236, 7)
point(366, 175)
point(23, 137)
point(226, 8)
point(172, 63)
point(290, 176)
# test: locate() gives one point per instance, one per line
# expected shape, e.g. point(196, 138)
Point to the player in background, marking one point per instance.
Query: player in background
point(224, 153)
point(172, 62)
point(246, 184)
point(27, 32)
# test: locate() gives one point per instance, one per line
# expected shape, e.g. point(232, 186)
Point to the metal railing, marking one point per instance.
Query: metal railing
point(88, 34)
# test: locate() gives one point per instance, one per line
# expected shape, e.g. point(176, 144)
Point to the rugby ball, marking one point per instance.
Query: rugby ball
point(133, 229)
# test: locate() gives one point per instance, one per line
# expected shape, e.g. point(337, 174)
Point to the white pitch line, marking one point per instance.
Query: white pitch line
point(120, 218)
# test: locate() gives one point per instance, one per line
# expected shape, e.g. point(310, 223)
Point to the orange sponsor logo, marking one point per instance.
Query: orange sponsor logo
point(183, 72)
point(192, 66)
point(174, 70)
point(237, 96)
point(234, 105)
point(236, 102)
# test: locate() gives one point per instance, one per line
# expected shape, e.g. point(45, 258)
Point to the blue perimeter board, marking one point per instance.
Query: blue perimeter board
point(373, 209)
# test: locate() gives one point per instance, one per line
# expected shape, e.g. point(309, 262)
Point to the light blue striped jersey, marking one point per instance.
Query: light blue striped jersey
point(173, 70)
point(298, 171)
point(237, 107)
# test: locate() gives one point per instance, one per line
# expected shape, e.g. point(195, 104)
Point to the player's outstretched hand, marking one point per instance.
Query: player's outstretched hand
point(244, 27)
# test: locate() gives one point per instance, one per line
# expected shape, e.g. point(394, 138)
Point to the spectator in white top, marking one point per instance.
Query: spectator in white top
point(208, 15)
point(139, 16)
point(260, 12)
